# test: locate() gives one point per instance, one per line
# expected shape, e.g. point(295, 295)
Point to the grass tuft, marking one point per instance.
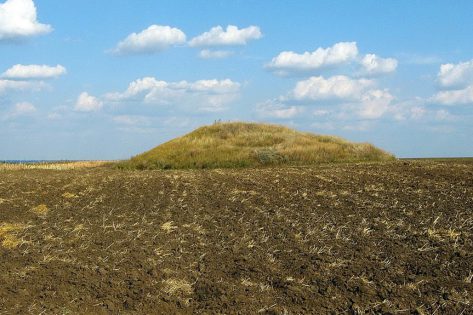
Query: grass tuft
point(41, 210)
point(8, 234)
point(177, 286)
point(168, 227)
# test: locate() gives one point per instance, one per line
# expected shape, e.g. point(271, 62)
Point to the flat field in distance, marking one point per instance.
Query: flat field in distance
point(388, 237)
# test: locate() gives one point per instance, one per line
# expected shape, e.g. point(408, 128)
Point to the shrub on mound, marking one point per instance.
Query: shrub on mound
point(230, 145)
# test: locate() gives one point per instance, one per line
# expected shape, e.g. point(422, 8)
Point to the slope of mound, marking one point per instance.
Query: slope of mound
point(226, 145)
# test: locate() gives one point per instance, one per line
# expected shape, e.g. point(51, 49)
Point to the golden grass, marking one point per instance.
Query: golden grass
point(41, 210)
point(229, 145)
point(168, 227)
point(58, 166)
point(443, 234)
point(69, 195)
point(177, 286)
point(8, 234)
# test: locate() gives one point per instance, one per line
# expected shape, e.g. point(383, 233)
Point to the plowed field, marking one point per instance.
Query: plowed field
point(393, 238)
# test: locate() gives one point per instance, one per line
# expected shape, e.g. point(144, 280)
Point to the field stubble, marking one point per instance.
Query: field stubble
point(392, 237)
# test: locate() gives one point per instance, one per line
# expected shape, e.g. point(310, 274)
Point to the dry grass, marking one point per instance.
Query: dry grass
point(168, 227)
point(41, 210)
point(58, 166)
point(8, 234)
point(229, 145)
point(177, 287)
point(69, 195)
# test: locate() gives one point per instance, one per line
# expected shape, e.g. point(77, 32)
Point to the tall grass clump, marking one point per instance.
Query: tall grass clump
point(238, 144)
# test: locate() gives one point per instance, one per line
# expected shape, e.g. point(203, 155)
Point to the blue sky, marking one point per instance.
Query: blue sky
point(108, 80)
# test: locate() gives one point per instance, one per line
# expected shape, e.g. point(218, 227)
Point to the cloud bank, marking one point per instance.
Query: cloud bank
point(205, 95)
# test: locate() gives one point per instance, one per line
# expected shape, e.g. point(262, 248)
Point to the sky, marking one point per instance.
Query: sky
point(110, 79)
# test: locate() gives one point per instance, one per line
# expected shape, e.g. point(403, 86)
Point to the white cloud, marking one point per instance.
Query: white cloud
point(6, 85)
point(336, 87)
point(456, 75)
point(373, 64)
point(339, 53)
point(18, 20)
point(214, 54)
point(409, 109)
point(454, 97)
point(347, 97)
point(374, 104)
point(154, 39)
point(88, 103)
point(206, 95)
point(212, 86)
point(11, 85)
point(24, 72)
point(138, 88)
point(456, 81)
point(217, 36)
point(275, 109)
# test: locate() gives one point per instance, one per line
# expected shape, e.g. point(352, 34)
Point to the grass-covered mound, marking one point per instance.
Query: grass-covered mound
point(227, 145)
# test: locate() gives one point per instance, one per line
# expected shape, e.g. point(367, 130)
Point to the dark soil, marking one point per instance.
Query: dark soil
point(391, 238)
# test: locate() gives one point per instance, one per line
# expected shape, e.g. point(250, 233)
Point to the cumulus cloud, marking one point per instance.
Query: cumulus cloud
point(373, 64)
point(456, 82)
point(347, 97)
point(88, 103)
point(217, 36)
point(336, 87)
point(25, 72)
point(454, 97)
point(18, 20)
point(214, 54)
point(374, 104)
point(456, 75)
point(206, 95)
point(154, 39)
point(339, 53)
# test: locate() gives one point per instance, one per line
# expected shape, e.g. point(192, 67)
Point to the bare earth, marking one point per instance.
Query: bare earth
point(392, 238)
